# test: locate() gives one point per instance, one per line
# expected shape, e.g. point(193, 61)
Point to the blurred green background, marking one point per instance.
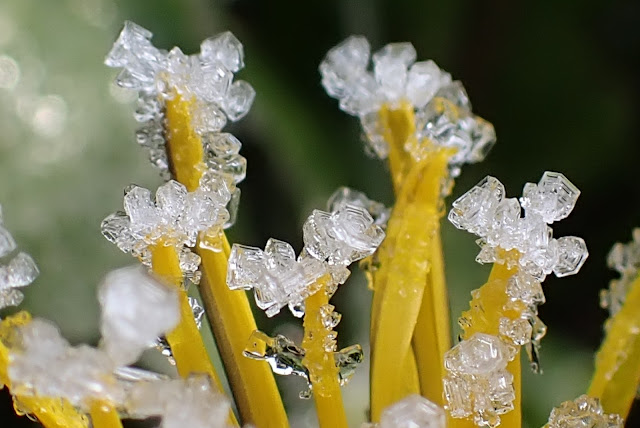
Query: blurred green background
point(559, 80)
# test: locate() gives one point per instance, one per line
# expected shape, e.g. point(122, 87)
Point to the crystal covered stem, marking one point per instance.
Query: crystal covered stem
point(104, 415)
point(617, 373)
point(51, 412)
point(323, 372)
point(228, 312)
point(486, 310)
point(400, 282)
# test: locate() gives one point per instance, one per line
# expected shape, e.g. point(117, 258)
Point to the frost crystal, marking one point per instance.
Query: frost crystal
point(44, 364)
point(624, 259)
point(205, 80)
point(136, 309)
point(190, 402)
point(477, 381)
point(441, 107)
point(413, 411)
point(19, 272)
point(176, 218)
point(347, 196)
point(583, 412)
point(497, 220)
point(332, 242)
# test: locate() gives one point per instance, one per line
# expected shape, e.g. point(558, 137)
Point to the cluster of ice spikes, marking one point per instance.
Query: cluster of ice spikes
point(204, 80)
point(412, 411)
point(498, 221)
point(19, 272)
point(477, 381)
point(582, 412)
point(624, 259)
point(176, 218)
point(441, 106)
point(332, 241)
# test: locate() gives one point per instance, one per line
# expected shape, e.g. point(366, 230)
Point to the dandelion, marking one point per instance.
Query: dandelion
point(413, 116)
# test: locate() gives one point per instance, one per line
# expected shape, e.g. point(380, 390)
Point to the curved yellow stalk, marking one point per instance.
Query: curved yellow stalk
point(398, 125)
point(229, 313)
point(617, 373)
point(486, 309)
point(323, 372)
point(51, 412)
point(104, 415)
point(405, 260)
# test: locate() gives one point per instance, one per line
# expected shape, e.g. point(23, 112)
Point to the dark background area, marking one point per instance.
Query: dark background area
point(559, 81)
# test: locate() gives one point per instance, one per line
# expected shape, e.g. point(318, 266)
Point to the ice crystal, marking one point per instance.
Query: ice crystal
point(624, 259)
point(583, 412)
point(412, 411)
point(176, 218)
point(205, 80)
point(19, 272)
point(484, 211)
point(192, 402)
point(332, 242)
point(441, 107)
point(477, 382)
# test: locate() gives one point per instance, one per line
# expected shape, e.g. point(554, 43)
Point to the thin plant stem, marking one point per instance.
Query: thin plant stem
point(104, 415)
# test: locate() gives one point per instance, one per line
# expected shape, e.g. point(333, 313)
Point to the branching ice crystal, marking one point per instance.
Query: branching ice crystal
point(190, 402)
point(583, 412)
point(413, 411)
point(484, 211)
point(477, 381)
point(624, 259)
point(204, 79)
point(441, 107)
point(176, 218)
point(19, 272)
point(332, 242)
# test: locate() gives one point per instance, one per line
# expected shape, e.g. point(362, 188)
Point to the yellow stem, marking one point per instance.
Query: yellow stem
point(405, 262)
point(186, 344)
point(323, 372)
point(104, 415)
point(399, 126)
point(51, 412)
point(486, 309)
point(253, 384)
point(228, 312)
point(617, 373)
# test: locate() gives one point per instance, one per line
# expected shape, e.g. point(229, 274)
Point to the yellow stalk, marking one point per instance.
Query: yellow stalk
point(104, 415)
point(232, 322)
point(51, 412)
point(404, 264)
point(229, 313)
point(398, 124)
point(486, 309)
point(323, 372)
point(617, 373)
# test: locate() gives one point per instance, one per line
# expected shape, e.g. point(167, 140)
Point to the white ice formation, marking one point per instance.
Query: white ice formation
point(441, 106)
point(19, 272)
point(624, 259)
point(477, 383)
point(333, 240)
point(583, 412)
point(205, 80)
point(413, 411)
point(176, 218)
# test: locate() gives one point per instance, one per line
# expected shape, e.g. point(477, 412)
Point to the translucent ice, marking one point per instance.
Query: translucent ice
point(413, 411)
point(582, 412)
point(624, 259)
point(136, 309)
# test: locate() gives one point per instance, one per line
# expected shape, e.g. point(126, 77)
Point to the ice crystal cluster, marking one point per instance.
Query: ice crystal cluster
point(204, 79)
point(175, 218)
point(135, 310)
point(20, 270)
point(441, 106)
point(412, 411)
point(498, 221)
point(624, 259)
point(583, 412)
point(477, 382)
point(332, 241)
